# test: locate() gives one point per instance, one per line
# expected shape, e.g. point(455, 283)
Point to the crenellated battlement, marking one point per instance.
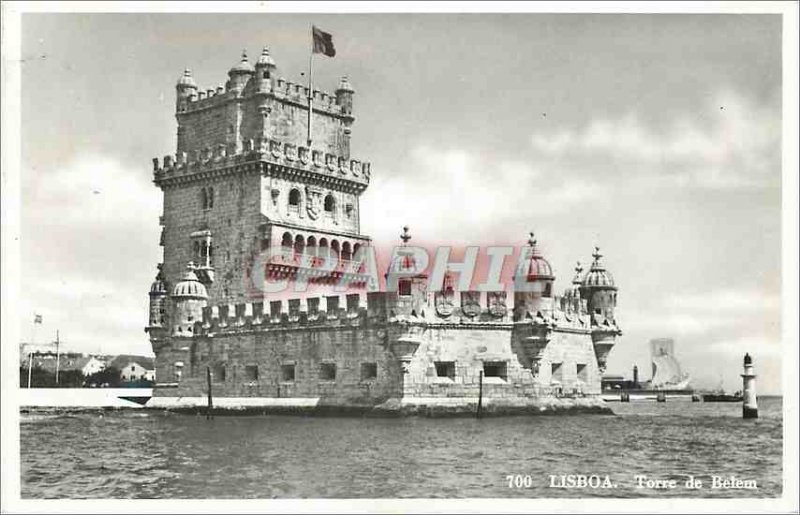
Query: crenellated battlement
point(474, 309)
point(296, 157)
point(283, 90)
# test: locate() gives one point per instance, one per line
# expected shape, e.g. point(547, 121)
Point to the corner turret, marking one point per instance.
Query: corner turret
point(185, 89)
point(265, 72)
point(409, 283)
point(600, 293)
point(240, 74)
point(571, 302)
point(344, 96)
point(599, 290)
point(533, 283)
point(157, 326)
point(189, 297)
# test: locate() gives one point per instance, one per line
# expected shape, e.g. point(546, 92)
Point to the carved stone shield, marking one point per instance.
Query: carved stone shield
point(471, 303)
point(313, 202)
point(497, 303)
point(444, 303)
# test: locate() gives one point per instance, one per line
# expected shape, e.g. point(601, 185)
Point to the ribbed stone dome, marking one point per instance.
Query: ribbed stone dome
point(187, 80)
point(265, 59)
point(243, 67)
point(537, 267)
point(159, 286)
point(344, 85)
point(190, 286)
point(598, 276)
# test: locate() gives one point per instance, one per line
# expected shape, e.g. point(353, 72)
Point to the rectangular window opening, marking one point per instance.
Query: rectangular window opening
point(446, 369)
point(327, 372)
point(369, 371)
point(582, 371)
point(219, 374)
point(404, 287)
point(495, 369)
point(555, 371)
point(251, 372)
point(287, 373)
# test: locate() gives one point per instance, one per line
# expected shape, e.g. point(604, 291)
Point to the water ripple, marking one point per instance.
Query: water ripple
point(127, 454)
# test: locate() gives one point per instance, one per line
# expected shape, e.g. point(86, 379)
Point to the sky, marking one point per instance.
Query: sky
point(656, 137)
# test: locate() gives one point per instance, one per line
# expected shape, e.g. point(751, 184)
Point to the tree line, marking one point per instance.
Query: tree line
point(107, 378)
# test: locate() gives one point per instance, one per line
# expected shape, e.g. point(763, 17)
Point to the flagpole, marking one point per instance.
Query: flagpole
point(310, 89)
point(30, 367)
point(58, 356)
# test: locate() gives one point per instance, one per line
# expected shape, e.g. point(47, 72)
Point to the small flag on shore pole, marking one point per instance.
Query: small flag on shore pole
point(323, 42)
point(37, 319)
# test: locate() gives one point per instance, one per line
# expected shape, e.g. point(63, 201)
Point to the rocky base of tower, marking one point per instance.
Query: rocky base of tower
point(394, 407)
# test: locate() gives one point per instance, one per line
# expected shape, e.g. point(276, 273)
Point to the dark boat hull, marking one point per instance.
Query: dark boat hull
point(714, 397)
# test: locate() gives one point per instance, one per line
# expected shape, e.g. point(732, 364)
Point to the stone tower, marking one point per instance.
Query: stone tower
point(246, 197)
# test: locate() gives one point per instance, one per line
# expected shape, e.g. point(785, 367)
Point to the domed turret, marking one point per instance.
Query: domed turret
point(159, 287)
point(243, 67)
point(240, 74)
point(403, 277)
point(190, 286)
point(186, 80)
point(185, 89)
point(344, 96)
point(538, 268)
point(599, 290)
point(158, 304)
point(265, 72)
point(598, 276)
point(533, 283)
point(189, 297)
point(571, 301)
point(265, 60)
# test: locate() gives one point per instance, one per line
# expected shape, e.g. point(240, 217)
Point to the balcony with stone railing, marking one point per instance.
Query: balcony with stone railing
point(287, 264)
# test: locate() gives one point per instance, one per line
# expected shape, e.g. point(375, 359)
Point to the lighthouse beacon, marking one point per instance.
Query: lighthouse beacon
point(750, 406)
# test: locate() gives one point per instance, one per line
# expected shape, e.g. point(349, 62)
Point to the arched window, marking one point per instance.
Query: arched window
point(330, 204)
point(294, 198)
point(196, 251)
point(335, 248)
point(203, 198)
point(322, 248)
point(286, 245)
point(311, 246)
point(299, 245)
point(346, 255)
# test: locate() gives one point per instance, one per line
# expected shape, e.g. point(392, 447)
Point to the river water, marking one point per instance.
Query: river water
point(150, 454)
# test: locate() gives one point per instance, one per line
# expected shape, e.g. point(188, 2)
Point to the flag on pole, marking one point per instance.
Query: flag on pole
point(323, 42)
point(37, 319)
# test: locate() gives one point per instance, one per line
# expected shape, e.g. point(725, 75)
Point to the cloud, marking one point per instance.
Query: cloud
point(730, 143)
point(89, 251)
point(460, 194)
point(730, 311)
point(95, 190)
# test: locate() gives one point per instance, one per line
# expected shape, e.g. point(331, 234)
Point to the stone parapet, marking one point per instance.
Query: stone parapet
point(298, 158)
point(377, 308)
